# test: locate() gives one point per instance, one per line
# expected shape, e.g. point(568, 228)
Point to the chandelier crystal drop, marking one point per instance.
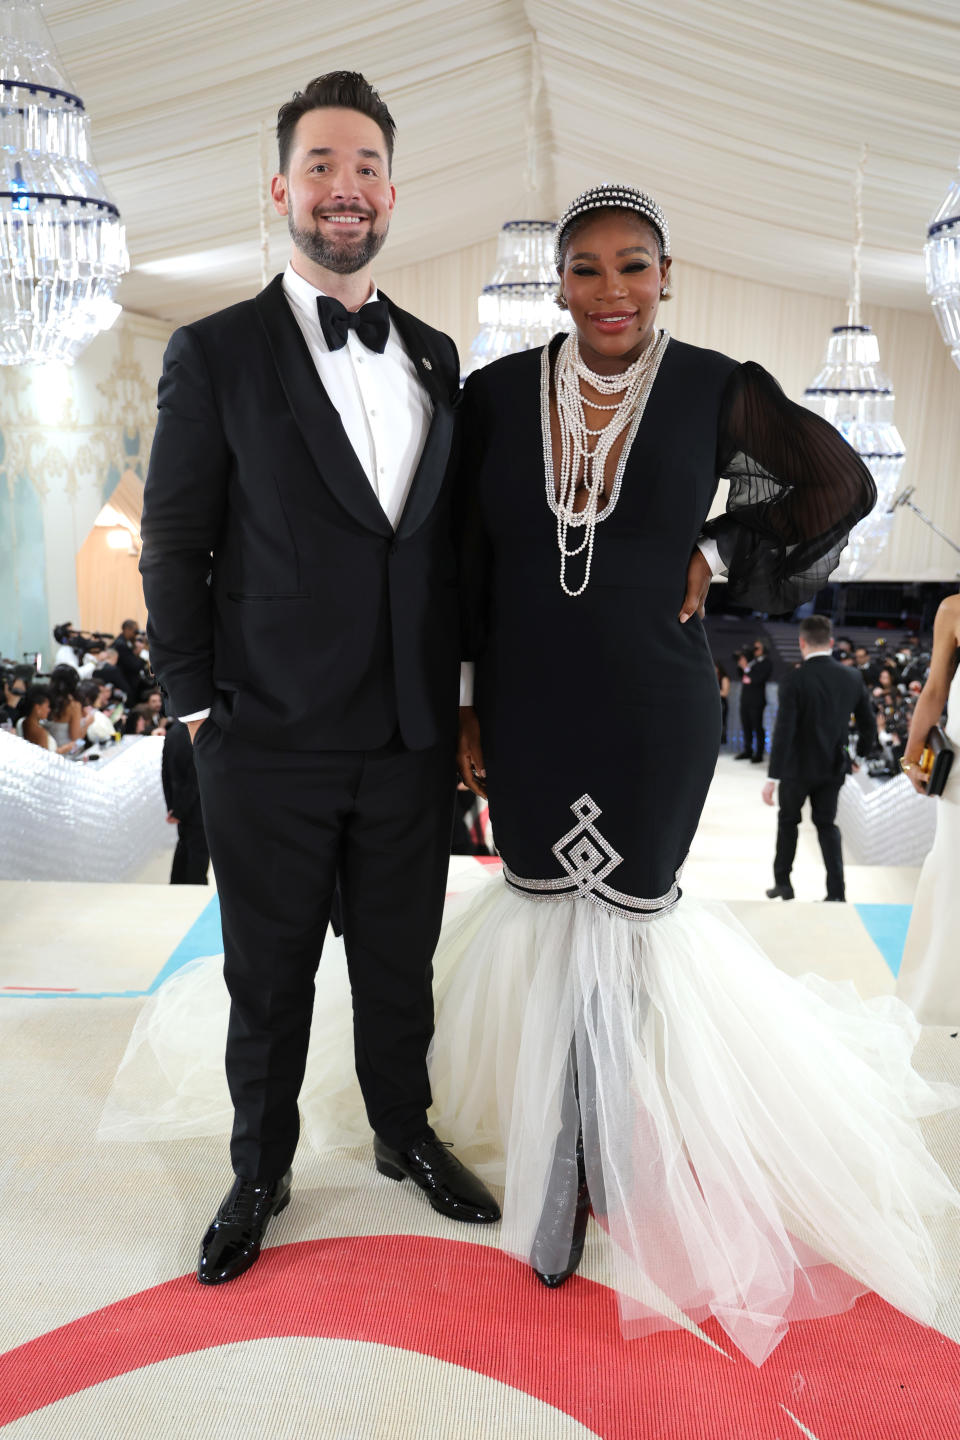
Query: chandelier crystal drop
point(855, 396)
point(517, 310)
point(941, 256)
point(62, 244)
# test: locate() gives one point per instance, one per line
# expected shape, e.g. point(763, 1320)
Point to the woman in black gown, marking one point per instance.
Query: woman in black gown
point(739, 1135)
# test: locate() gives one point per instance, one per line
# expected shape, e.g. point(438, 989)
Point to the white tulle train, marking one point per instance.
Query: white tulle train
point(750, 1140)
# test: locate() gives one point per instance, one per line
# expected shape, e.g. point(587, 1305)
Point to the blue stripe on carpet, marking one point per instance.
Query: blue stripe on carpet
point(887, 927)
point(204, 937)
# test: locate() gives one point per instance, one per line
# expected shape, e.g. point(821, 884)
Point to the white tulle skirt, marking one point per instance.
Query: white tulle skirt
point(750, 1141)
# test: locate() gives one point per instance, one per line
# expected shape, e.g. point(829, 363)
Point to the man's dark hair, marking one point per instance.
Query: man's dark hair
point(817, 631)
point(339, 90)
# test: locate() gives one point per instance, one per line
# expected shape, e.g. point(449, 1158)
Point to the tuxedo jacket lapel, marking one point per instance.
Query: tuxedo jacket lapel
point(431, 367)
point(314, 412)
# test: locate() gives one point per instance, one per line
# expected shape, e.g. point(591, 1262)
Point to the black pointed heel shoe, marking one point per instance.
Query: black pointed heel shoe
point(553, 1280)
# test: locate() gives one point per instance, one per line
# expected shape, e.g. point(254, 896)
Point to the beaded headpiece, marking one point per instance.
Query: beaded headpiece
point(614, 197)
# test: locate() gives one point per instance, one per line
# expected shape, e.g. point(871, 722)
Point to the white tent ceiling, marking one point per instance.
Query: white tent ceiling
point(744, 117)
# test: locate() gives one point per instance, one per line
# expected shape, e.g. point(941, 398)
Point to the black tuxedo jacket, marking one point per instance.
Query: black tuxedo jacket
point(277, 590)
point(813, 721)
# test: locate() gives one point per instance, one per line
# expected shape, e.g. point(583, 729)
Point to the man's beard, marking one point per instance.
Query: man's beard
point(342, 258)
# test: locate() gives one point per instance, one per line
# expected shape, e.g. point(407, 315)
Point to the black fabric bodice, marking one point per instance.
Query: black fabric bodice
point(600, 715)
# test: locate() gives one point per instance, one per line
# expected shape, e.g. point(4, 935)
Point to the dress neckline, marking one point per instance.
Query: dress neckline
point(547, 356)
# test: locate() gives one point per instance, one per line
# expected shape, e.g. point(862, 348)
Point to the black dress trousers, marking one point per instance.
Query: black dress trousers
point(824, 796)
point(283, 827)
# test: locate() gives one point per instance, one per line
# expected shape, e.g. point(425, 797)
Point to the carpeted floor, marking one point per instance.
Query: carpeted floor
point(369, 1317)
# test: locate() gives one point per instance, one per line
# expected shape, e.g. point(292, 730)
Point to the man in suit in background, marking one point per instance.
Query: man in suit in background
point(300, 575)
point(809, 752)
point(753, 700)
point(178, 774)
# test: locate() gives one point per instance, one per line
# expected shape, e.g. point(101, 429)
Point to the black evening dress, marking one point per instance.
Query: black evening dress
point(749, 1141)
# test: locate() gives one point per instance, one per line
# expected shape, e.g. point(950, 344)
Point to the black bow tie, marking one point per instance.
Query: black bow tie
point(371, 322)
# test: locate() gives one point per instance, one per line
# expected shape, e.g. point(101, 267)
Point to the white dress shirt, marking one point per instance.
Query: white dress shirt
point(381, 402)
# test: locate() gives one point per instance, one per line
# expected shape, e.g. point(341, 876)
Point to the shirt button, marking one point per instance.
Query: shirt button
point(359, 359)
point(373, 412)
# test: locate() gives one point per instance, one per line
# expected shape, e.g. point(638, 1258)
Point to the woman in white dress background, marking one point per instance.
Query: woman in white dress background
point(929, 980)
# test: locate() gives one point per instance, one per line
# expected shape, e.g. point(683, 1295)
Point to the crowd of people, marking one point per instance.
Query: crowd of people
point(893, 673)
point(98, 689)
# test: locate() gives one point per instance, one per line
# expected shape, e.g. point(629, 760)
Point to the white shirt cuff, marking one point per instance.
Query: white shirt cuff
point(710, 551)
point(197, 715)
point(466, 682)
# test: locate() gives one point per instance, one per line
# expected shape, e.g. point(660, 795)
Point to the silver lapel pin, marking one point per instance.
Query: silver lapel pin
point(426, 363)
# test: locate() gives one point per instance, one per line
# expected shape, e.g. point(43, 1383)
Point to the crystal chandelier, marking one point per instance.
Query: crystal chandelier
point(853, 394)
point(517, 310)
point(941, 256)
point(62, 246)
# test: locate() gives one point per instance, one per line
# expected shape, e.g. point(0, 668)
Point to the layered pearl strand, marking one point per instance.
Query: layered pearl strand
point(584, 451)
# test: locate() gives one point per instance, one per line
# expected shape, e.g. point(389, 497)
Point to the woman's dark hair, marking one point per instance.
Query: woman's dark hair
point(721, 672)
point(88, 692)
point(338, 90)
point(64, 681)
point(34, 695)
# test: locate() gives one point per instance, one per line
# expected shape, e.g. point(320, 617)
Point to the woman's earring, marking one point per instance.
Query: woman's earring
point(560, 301)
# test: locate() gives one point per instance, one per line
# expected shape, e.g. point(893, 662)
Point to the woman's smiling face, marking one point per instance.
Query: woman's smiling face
point(611, 280)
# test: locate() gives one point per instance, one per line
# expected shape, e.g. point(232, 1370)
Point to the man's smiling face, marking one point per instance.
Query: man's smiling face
point(337, 194)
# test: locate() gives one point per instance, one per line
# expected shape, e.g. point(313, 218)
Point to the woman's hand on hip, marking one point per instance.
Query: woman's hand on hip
point(699, 576)
point(470, 752)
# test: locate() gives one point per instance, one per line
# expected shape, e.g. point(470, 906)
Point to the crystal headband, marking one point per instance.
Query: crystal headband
point(614, 197)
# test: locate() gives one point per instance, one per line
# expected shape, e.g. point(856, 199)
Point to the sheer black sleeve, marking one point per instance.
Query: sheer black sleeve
point(473, 545)
point(796, 491)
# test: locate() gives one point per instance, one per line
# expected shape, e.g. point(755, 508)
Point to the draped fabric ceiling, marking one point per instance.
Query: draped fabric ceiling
point(744, 118)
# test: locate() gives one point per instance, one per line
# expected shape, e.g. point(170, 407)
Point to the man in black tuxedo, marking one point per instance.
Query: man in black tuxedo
point(809, 752)
point(753, 699)
point(299, 573)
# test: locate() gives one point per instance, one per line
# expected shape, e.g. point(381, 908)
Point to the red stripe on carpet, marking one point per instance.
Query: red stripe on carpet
point(870, 1374)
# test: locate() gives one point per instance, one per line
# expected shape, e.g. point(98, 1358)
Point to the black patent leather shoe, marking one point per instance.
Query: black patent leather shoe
point(449, 1186)
point(580, 1217)
point(234, 1236)
point(780, 892)
point(744, 755)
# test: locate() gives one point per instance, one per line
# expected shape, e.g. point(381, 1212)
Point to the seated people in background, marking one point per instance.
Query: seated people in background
point(108, 672)
point(138, 721)
point(99, 729)
point(66, 723)
point(868, 668)
point(153, 701)
point(32, 710)
point(12, 691)
point(181, 791)
point(133, 668)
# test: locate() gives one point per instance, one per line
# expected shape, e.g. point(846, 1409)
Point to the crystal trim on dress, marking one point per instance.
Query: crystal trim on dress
point(588, 858)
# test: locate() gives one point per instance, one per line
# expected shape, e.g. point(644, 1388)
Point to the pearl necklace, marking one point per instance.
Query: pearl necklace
point(576, 456)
